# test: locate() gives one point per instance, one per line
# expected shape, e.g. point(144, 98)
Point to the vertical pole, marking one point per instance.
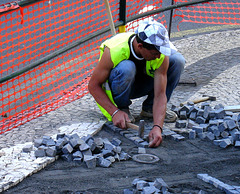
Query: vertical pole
point(170, 21)
point(122, 15)
point(112, 27)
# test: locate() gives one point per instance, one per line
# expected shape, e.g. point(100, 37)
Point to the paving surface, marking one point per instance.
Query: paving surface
point(212, 61)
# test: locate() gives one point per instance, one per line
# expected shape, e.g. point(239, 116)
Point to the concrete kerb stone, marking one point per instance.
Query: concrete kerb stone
point(218, 184)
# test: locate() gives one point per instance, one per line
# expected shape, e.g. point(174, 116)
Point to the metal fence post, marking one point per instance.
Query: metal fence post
point(170, 21)
point(122, 15)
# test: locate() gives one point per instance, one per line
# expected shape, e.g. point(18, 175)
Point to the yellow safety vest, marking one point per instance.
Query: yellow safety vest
point(119, 51)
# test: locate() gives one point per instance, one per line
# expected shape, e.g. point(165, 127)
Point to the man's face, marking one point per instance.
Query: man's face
point(149, 55)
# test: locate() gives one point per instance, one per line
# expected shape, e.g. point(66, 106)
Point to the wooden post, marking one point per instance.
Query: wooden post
point(112, 27)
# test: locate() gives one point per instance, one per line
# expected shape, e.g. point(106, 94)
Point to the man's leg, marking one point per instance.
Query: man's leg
point(121, 79)
point(176, 66)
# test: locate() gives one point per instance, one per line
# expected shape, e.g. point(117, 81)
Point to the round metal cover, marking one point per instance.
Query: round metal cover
point(145, 158)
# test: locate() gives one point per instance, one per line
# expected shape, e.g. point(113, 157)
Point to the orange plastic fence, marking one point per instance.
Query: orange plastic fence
point(29, 33)
point(216, 12)
point(46, 28)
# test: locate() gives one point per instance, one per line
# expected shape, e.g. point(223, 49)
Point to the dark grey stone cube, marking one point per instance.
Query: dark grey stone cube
point(143, 144)
point(205, 104)
point(204, 126)
point(141, 184)
point(216, 132)
point(39, 153)
point(223, 126)
point(198, 129)
point(67, 157)
point(104, 163)
point(38, 142)
point(185, 108)
point(225, 143)
point(224, 134)
point(78, 160)
point(177, 137)
point(87, 153)
point(191, 123)
point(181, 124)
point(50, 142)
point(192, 134)
point(86, 138)
point(116, 142)
point(51, 151)
point(210, 136)
point(27, 148)
point(84, 147)
point(60, 136)
point(160, 184)
point(90, 161)
point(202, 135)
point(67, 149)
point(183, 115)
point(92, 144)
point(200, 120)
point(213, 122)
point(220, 113)
point(200, 113)
point(99, 142)
point(107, 153)
point(193, 116)
point(213, 128)
point(212, 114)
point(77, 154)
point(124, 156)
point(231, 124)
point(60, 143)
point(207, 110)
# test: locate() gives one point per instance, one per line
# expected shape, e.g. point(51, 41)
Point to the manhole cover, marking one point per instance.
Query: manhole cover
point(145, 158)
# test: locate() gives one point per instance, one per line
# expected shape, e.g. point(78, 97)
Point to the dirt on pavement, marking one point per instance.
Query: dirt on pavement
point(179, 164)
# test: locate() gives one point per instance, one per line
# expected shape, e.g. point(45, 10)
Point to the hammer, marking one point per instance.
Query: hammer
point(202, 99)
point(139, 128)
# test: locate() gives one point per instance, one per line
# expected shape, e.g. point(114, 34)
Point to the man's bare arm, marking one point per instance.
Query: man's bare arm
point(99, 76)
point(159, 104)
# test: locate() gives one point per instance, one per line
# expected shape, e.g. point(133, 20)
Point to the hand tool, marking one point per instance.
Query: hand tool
point(139, 128)
point(202, 99)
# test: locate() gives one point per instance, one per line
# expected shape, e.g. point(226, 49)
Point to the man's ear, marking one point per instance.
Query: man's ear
point(140, 45)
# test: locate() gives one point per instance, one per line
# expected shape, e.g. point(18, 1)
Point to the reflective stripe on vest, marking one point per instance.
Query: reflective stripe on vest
point(107, 90)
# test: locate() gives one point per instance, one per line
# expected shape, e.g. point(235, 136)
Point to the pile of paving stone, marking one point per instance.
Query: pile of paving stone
point(212, 123)
point(92, 151)
point(146, 187)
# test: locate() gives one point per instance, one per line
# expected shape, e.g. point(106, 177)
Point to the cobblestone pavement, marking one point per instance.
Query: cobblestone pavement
point(212, 62)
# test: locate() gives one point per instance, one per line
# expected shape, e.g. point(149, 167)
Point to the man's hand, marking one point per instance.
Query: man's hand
point(120, 119)
point(155, 137)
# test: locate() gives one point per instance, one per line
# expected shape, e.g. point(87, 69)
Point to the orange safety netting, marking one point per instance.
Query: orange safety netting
point(216, 12)
point(46, 28)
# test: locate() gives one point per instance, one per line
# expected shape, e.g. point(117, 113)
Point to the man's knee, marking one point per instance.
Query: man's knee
point(177, 61)
point(127, 69)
